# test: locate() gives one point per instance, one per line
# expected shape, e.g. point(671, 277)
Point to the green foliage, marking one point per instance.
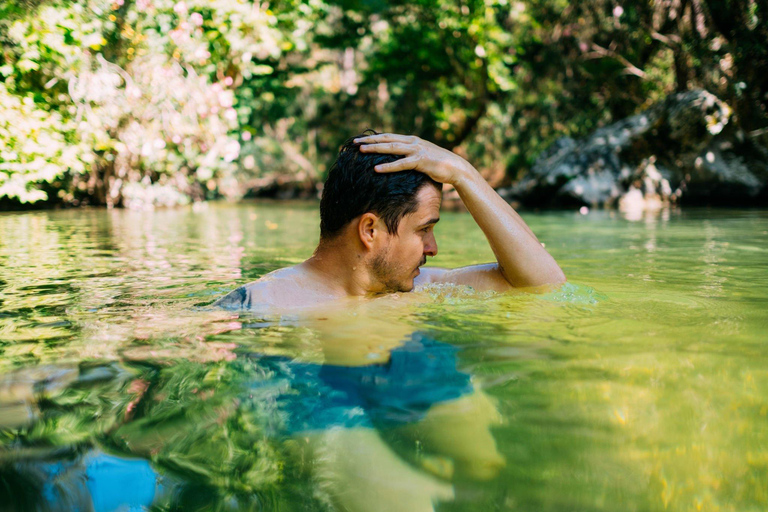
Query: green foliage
point(142, 103)
point(34, 148)
point(140, 90)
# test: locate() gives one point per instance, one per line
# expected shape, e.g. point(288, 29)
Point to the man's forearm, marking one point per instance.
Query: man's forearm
point(523, 261)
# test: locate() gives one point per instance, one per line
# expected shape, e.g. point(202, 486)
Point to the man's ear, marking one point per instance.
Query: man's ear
point(368, 228)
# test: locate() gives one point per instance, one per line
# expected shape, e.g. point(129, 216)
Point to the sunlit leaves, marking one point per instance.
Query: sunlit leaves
point(153, 106)
point(497, 80)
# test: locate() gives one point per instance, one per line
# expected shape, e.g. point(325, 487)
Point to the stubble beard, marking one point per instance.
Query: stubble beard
point(385, 273)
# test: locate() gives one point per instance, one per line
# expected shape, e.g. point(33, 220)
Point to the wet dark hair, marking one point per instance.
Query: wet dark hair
point(354, 188)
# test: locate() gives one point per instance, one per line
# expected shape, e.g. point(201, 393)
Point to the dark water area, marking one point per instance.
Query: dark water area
point(640, 385)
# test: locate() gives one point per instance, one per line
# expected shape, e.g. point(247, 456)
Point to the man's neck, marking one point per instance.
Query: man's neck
point(341, 269)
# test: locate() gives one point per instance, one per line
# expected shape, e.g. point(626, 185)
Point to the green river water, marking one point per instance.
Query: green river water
point(641, 385)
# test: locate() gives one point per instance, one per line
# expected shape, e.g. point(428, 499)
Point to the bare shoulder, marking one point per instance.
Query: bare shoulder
point(283, 290)
point(266, 292)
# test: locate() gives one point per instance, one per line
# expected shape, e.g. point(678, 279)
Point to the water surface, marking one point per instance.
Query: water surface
point(641, 385)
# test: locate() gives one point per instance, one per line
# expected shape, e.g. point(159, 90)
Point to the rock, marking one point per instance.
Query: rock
point(684, 149)
point(732, 169)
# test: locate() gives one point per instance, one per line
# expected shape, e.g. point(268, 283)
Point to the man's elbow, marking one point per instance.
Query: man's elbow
point(548, 283)
point(546, 280)
point(558, 277)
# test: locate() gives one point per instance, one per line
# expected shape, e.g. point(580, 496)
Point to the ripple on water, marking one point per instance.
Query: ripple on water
point(641, 383)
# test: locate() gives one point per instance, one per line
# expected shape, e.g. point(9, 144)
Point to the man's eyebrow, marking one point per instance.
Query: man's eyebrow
point(431, 221)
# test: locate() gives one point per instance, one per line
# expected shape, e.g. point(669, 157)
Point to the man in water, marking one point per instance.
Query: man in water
point(378, 210)
point(366, 370)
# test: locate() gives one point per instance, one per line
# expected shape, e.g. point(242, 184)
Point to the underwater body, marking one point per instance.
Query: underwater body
point(641, 384)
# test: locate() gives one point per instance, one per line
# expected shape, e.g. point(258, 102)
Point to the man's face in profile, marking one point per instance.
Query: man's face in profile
point(397, 264)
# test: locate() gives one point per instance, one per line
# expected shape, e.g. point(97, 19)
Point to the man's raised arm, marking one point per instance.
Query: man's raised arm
point(522, 260)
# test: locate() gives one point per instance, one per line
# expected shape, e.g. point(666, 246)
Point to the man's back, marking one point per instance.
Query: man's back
point(285, 288)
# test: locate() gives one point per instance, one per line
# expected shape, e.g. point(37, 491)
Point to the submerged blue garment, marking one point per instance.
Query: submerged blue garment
point(420, 373)
point(98, 482)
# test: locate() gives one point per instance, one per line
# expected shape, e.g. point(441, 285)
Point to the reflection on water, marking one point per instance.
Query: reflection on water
point(640, 385)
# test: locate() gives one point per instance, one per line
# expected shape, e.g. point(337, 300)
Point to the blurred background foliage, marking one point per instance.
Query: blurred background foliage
point(142, 103)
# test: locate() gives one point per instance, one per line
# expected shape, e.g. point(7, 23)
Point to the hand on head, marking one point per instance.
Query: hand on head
point(441, 165)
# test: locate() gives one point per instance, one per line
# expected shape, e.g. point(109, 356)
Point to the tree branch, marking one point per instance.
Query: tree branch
point(600, 52)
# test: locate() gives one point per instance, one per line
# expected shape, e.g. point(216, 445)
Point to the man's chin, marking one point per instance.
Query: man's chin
point(401, 287)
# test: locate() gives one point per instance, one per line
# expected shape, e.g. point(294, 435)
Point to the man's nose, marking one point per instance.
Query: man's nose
point(430, 248)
